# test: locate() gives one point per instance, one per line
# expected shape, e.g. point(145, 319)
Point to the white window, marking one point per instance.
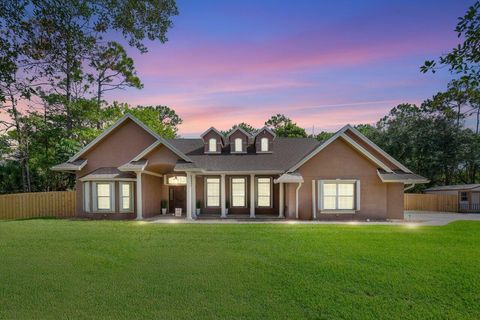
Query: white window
point(86, 196)
point(264, 192)
point(264, 144)
point(238, 192)
point(212, 192)
point(104, 197)
point(126, 196)
point(177, 180)
point(339, 195)
point(212, 145)
point(238, 145)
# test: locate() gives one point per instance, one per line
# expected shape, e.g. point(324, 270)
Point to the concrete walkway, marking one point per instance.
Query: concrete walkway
point(412, 219)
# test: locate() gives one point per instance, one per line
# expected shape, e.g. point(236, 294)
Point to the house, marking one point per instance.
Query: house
point(127, 170)
point(468, 195)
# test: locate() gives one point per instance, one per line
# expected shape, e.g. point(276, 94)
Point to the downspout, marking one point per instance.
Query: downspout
point(296, 199)
point(409, 187)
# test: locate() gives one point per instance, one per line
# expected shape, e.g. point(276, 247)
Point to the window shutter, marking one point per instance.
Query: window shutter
point(112, 195)
point(320, 194)
point(357, 195)
point(86, 196)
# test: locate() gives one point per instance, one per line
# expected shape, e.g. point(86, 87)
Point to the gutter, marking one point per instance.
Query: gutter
point(409, 187)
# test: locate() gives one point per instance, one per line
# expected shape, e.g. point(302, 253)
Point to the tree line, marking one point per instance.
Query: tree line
point(57, 63)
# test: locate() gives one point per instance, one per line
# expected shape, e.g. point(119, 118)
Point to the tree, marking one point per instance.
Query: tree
point(285, 127)
point(245, 126)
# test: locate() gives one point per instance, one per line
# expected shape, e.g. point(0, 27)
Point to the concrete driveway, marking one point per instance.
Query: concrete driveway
point(427, 218)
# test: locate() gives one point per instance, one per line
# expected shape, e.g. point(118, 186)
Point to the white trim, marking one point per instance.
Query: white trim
point(406, 181)
point(252, 196)
point(281, 209)
point(241, 130)
point(189, 196)
point(238, 144)
point(212, 145)
point(260, 172)
point(118, 123)
point(152, 173)
point(340, 134)
point(205, 192)
point(244, 188)
point(379, 150)
point(222, 138)
point(139, 197)
point(262, 140)
point(266, 129)
point(357, 195)
point(121, 196)
point(194, 195)
point(296, 198)
point(111, 196)
point(223, 199)
point(106, 179)
point(86, 196)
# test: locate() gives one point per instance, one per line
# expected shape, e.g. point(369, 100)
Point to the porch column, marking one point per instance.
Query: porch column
point(139, 196)
point(189, 196)
point(194, 195)
point(222, 196)
point(282, 202)
point(252, 196)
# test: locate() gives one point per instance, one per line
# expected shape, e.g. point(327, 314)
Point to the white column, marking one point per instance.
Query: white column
point(194, 196)
point(222, 196)
point(252, 196)
point(314, 203)
point(189, 196)
point(139, 196)
point(281, 208)
point(296, 199)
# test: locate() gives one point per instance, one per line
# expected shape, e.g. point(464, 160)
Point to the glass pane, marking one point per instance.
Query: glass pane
point(125, 189)
point(345, 202)
point(125, 203)
point(329, 202)
point(238, 145)
point(263, 201)
point(238, 201)
point(346, 189)
point(264, 143)
point(176, 180)
point(213, 201)
point(212, 145)
point(330, 189)
point(103, 189)
point(104, 203)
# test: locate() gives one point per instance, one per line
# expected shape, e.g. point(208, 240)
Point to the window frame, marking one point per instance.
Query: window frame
point(337, 182)
point(86, 196)
point(214, 144)
point(206, 196)
point(235, 141)
point(245, 200)
point(262, 145)
point(112, 196)
point(121, 196)
point(257, 195)
point(462, 194)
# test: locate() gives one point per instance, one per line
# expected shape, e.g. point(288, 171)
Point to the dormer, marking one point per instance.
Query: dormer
point(264, 140)
point(238, 140)
point(213, 141)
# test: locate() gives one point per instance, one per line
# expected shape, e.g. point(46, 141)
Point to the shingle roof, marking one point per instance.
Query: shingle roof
point(454, 187)
point(108, 173)
point(401, 176)
point(286, 152)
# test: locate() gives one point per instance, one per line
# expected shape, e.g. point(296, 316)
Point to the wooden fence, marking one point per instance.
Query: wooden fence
point(431, 202)
point(37, 204)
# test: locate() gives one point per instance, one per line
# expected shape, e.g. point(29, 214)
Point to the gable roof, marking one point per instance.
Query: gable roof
point(341, 134)
point(126, 117)
point(216, 131)
point(241, 130)
point(266, 129)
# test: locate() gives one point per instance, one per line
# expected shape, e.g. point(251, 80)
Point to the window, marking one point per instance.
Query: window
point(463, 196)
point(177, 180)
point(126, 196)
point(104, 196)
point(86, 196)
point(212, 190)
point(264, 192)
point(238, 192)
point(238, 145)
point(212, 145)
point(338, 195)
point(264, 144)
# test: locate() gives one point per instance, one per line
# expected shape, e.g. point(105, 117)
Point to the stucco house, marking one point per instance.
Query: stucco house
point(128, 170)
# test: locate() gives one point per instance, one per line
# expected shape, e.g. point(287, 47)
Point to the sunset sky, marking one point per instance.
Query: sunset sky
point(322, 63)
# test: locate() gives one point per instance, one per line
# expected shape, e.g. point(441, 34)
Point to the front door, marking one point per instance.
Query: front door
point(176, 198)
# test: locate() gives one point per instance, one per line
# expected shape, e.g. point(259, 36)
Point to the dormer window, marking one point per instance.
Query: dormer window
point(238, 145)
point(264, 144)
point(212, 145)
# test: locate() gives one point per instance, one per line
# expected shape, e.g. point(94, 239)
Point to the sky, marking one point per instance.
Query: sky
point(322, 63)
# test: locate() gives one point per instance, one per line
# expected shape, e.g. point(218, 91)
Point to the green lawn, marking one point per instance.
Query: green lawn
point(58, 269)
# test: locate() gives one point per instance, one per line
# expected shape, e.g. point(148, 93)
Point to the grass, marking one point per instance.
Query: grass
point(59, 269)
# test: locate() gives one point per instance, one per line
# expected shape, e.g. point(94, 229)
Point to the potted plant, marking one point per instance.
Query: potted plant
point(163, 205)
point(199, 206)
point(227, 205)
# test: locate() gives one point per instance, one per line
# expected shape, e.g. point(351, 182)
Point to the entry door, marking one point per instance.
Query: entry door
point(177, 198)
